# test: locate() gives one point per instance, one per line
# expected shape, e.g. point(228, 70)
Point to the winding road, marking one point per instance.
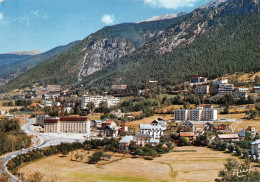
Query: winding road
point(45, 141)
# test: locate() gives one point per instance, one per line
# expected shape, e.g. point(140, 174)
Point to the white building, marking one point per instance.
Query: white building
point(202, 89)
point(40, 119)
point(196, 115)
point(225, 89)
point(155, 131)
point(97, 99)
point(242, 92)
point(255, 147)
point(67, 125)
point(218, 82)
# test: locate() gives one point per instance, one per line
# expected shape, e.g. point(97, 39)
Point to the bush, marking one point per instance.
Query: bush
point(231, 148)
point(184, 141)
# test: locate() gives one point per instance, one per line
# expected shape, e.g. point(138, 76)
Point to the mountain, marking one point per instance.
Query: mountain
point(31, 52)
point(210, 41)
point(164, 17)
point(92, 54)
point(15, 63)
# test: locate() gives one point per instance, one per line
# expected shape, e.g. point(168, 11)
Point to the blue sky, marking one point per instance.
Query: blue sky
point(45, 24)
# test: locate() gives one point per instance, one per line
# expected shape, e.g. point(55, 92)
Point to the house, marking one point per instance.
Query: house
point(255, 147)
point(188, 126)
point(252, 130)
point(208, 127)
point(242, 133)
point(142, 139)
point(109, 131)
point(154, 131)
point(189, 135)
point(227, 138)
point(159, 122)
point(222, 127)
point(125, 142)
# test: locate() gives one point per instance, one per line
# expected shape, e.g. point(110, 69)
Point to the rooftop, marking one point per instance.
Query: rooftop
point(228, 136)
point(126, 139)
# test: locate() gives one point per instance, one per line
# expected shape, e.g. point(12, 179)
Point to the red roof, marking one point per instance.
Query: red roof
point(34, 104)
point(51, 120)
point(124, 124)
point(73, 118)
point(186, 134)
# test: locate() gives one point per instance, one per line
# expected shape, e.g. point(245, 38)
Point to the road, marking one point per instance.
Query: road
point(45, 141)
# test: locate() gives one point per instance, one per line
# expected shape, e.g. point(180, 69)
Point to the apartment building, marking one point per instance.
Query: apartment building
point(40, 119)
point(219, 82)
point(97, 99)
point(225, 89)
point(67, 125)
point(202, 89)
point(195, 115)
point(51, 125)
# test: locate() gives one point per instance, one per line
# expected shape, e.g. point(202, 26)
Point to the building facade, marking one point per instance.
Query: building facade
point(202, 89)
point(97, 99)
point(67, 125)
point(225, 89)
point(196, 115)
point(155, 131)
point(40, 119)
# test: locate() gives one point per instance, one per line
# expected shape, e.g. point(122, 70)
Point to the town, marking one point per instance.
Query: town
point(149, 122)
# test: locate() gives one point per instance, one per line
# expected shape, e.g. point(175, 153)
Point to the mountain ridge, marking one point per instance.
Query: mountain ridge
point(167, 50)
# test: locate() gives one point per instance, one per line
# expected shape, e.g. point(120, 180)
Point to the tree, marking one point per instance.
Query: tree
point(183, 141)
point(248, 136)
point(235, 171)
point(224, 146)
point(186, 105)
point(231, 148)
point(91, 106)
point(238, 151)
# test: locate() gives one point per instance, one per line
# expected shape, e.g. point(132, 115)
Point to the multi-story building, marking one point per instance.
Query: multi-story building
point(242, 92)
point(51, 125)
point(198, 80)
point(97, 99)
point(195, 115)
point(40, 119)
point(202, 89)
point(155, 131)
point(225, 89)
point(118, 87)
point(74, 125)
point(67, 125)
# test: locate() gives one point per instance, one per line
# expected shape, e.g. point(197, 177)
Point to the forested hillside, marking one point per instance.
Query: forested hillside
point(210, 41)
point(11, 133)
point(12, 65)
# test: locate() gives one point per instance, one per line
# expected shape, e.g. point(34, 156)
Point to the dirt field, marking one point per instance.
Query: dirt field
point(201, 164)
point(245, 123)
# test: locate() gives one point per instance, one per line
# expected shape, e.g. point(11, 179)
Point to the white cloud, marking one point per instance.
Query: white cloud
point(170, 4)
point(108, 19)
point(35, 13)
point(1, 1)
point(1, 16)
